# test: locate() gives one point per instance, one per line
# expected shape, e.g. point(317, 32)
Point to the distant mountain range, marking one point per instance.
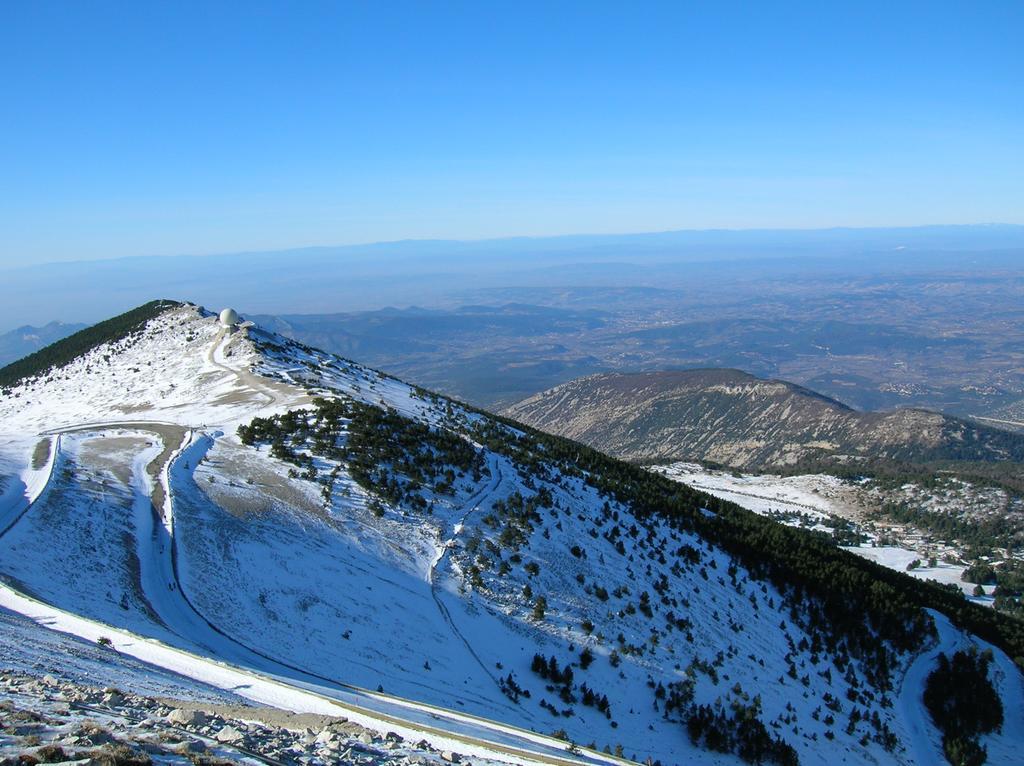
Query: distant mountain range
point(736, 419)
point(25, 340)
point(439, 273)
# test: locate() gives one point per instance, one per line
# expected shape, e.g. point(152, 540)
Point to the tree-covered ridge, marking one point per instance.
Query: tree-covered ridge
point(854, 600)
point(70, 348)
point(1005, 474)
point(393, 457)
point(1007, 576)
point(403, 464)
point(860, 617)
point(856, 623)
point(846, 582)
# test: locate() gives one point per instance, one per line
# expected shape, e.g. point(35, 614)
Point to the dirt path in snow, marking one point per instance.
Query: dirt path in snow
point(252, 382)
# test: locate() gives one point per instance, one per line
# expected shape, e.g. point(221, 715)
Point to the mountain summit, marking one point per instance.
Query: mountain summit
point(323, 537)
point(736, 419)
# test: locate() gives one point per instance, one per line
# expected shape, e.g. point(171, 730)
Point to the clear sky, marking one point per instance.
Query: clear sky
point(140, 128)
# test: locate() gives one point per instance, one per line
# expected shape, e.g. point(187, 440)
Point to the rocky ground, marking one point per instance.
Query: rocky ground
point(51, 720)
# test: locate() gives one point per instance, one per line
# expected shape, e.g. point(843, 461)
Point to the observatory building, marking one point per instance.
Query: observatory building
point(229, 318)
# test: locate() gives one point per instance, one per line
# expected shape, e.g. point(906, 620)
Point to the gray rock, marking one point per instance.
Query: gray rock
point(451, 757)
point(327, 737)
point(229, 735)
point(181, 717)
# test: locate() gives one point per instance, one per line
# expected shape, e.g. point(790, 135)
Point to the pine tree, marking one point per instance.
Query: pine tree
point(539, 608)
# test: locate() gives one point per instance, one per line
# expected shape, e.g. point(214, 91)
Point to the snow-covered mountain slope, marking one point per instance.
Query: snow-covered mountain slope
point(30, 649)
point(285, 512)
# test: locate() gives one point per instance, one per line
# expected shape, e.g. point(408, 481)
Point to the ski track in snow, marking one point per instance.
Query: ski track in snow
point(445, 547)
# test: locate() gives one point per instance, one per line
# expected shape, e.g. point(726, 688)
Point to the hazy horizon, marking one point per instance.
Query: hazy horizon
point(448, 273)
point(528, 238)
point(200, 128)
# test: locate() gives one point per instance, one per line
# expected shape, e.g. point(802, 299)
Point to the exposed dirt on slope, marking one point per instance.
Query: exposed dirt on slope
point(229, 460)
point(41, 454)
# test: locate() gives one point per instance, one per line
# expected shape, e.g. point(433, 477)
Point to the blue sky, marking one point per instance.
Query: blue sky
point(160, 128)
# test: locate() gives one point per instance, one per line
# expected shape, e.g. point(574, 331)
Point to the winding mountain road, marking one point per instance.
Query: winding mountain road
point(207, 653)
point(18, 500)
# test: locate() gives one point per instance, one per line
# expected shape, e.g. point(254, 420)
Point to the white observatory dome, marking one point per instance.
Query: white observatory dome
point(229, 317)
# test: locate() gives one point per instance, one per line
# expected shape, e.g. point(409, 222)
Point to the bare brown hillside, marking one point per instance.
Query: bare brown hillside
point(731, 417)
